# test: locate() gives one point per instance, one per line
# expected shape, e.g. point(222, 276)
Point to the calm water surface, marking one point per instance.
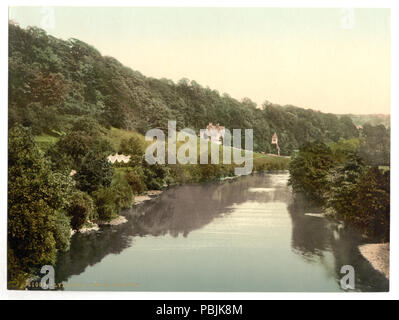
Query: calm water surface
point(241, 235)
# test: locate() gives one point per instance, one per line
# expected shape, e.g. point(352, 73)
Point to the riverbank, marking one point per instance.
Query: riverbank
point(150, 195)
point(378, 256)
point(95, 226)
point(91, 226)
point(138, 200)
point(114, 222)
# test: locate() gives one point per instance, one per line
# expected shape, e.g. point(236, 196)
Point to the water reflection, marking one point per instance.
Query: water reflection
point(177, 211)
point(252, 215)
point(187, 208)
point(316, 239)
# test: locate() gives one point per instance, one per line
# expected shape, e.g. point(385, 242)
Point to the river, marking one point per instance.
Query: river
point(246, 234)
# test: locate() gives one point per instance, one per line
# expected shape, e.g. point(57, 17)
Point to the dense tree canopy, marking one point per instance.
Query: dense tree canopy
point(95, 172)
point(309, 170)
point(53, 81)
point(37, 199)
point(375, 149)
point(338, 180)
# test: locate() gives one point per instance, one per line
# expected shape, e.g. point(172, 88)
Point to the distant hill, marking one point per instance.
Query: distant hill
point(373, 119)
point(53, 82)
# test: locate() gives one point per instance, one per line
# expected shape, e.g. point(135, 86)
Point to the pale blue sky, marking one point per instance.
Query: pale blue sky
point(304, 57)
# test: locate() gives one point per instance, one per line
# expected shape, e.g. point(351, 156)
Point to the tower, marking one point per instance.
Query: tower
point(275, 141)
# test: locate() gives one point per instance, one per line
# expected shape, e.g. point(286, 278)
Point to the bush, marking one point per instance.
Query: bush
point(133, 146)
point(155, 175)
point(210, 172)
point(309, 170)
point(81, 209)
point(343, 184)
point(96, 172)
point(16, 276)
point(71, 149)
point(61, 231)
point(122, 192)
point(179, 173)
point(373, 203)
point(135, 182)
point(105, 201)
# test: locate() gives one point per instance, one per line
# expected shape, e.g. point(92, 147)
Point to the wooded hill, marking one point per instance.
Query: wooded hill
point(371, 119)
point(53, 82)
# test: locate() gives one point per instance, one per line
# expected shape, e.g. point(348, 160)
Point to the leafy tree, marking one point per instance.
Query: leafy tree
point(154, 175)
point(123, 192)
point(61, 231)
point(36, 201)
point(135, 182)
point(52, 79)
point(70, 150)
point(95, 172)
point(105, 201)
point(309, 170)
point(88, 126)
point(343, 184)
point(345, 149)
point(111, 200)
point(375, 149)
point(81, 210)
point(373, 203)
point(133, 147)
point(68, 153)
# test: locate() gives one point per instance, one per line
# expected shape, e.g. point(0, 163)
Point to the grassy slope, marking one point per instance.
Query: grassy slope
point(262, 162)
point(45, 141)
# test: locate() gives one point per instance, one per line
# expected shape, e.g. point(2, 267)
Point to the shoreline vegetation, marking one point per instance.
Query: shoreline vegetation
point(351, 184)
point(119, 219)
point(70, 108)
point(98, 190)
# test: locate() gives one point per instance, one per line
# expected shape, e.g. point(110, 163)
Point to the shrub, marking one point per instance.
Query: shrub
point(342, 182)
point(373, 203)
point(135, 182)
point(133, 147)
point(155, 175)
point(81, 209)
point(61, 231)
point(179, 173)
point(96, 172)
point(210, 172)
point(122, 192)
point(104, 199)
point(309, 170)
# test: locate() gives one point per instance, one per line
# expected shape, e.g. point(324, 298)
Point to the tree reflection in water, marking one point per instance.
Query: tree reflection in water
point(321, 240)
point(181, 210)
point(177, 211)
